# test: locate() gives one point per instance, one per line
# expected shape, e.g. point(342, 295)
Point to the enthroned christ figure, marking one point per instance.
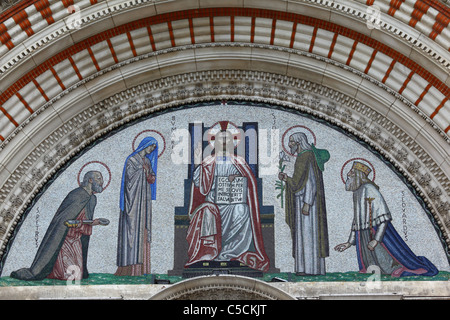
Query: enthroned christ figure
point(224, 212)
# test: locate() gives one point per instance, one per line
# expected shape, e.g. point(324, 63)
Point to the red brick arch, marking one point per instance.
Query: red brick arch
point(275, 17)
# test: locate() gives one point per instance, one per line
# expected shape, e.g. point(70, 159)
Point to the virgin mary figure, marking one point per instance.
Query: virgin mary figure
point(137, 192)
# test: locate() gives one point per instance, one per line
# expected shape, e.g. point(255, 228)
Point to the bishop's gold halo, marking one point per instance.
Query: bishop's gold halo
point(294, 129)
point(360, 160)
point(161, 150)
point(97, 166)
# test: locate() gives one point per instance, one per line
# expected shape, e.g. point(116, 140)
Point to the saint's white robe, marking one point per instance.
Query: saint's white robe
point(306, 238)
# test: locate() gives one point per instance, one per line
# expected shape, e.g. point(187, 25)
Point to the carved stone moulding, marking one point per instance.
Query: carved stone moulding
point(222, 287)
point(369, 126)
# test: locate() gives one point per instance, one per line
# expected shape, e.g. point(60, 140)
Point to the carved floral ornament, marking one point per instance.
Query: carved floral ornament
point(314, 100)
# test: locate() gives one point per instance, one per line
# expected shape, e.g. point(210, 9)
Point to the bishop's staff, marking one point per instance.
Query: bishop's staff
point(369, 200)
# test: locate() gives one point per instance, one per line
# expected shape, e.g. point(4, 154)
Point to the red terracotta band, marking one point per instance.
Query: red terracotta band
point(211, 13)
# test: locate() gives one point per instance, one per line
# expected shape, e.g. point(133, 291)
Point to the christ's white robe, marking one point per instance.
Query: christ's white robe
point(236, 225)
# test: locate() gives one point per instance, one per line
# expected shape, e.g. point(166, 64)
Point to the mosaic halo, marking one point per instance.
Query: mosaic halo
point(97, 166)
point(222, 126)
point(294, 129)
point(350, 161)
point(161, 140)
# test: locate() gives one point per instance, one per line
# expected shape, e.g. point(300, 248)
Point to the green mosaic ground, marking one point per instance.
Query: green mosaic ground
point(108, 279)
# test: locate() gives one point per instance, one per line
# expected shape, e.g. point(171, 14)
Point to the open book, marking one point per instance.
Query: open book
point(231, 192)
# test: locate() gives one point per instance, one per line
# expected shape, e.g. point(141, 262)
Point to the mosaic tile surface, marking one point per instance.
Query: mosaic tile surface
point(189, 232)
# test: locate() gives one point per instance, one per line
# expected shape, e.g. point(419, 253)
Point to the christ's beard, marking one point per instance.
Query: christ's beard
point(352, 183)
point(96, 187)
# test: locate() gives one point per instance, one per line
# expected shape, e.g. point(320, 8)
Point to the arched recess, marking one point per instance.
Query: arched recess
point(222, 287)
point(64, 88)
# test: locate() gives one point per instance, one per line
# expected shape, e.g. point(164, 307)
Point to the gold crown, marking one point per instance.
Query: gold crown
point(361, 167)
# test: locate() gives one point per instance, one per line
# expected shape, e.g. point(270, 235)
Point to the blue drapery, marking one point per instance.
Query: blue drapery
point(400, 251)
